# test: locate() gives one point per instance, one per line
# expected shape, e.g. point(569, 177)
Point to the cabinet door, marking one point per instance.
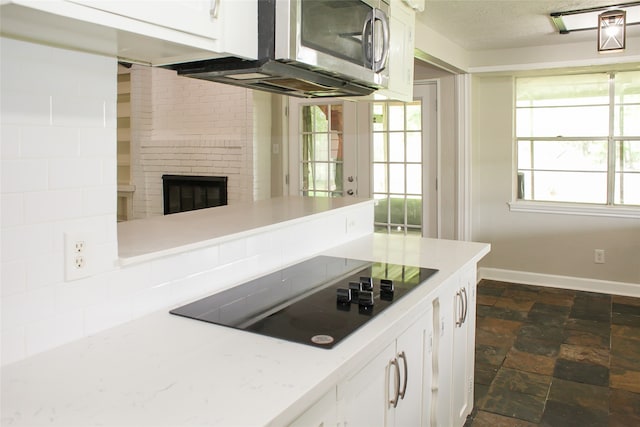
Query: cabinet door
point(364, 397)
point(322, 414)
point(411, 346)
point(212, 19)
point(191, 16)
point(402, 44)
point(444, 309)
point(464, 349)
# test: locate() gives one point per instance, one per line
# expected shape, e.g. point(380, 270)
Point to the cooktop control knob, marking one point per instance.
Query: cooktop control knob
point(365, 298)
point(367, 283)
point(356, 288)
point(386, 285)
point(343, 295)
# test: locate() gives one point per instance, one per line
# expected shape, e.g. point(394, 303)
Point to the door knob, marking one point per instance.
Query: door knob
point(350, 192)
point(350, 179)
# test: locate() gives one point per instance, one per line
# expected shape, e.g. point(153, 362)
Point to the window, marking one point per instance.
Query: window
point(397, 167)
point(322, 150)
point(578, 138)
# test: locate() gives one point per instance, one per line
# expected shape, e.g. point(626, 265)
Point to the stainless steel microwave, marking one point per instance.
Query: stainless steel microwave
point(349, 37)
point(310, 48)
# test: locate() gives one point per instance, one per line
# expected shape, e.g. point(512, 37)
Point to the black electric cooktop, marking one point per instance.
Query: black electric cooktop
point(317, 302)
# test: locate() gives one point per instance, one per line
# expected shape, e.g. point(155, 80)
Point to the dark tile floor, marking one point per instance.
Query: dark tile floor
point(555, 357)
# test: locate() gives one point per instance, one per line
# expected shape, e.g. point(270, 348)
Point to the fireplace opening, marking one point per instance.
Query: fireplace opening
point(187, 193)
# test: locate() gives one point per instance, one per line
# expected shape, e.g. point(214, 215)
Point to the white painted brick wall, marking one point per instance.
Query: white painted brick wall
point(185, 126)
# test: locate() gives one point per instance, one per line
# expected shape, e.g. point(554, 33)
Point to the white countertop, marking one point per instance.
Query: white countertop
point(144, 239)
point(165, 370)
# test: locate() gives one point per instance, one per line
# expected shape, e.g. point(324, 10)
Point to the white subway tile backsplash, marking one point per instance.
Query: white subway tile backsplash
point(46, 206)
point(11, 209)
point(13, 278)
point(233, 251)
point(20, 309)
point(78, 111)
point(49, 272)
point(20, 176)
point(25, 241)
point(95, 142)
point(50, 333)
point(128, 281)
point(99, 201)
point(9, 142)
point(79, 294)
point(45, 142)
point(107, 314)
point(74, 173)
point(13, 345)
point(25, 109)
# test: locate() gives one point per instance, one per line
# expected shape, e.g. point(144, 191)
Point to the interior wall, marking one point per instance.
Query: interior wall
point(554, 244)
point(447, 154)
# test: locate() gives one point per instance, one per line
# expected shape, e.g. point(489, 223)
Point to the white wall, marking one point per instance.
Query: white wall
point(58, 175)
point(544, 244)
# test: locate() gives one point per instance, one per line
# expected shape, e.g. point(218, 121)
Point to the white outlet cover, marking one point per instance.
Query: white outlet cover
point(71, 269)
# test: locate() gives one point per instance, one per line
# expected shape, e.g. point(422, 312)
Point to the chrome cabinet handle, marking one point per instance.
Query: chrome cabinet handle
point(459, 309)
point(403, 356)
point(214, 9)
point(394, 402)
point(465, 305)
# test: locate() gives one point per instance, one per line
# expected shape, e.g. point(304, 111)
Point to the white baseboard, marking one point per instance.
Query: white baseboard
point(566, 282)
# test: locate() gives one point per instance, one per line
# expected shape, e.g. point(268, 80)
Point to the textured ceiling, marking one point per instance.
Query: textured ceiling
point(480, 24)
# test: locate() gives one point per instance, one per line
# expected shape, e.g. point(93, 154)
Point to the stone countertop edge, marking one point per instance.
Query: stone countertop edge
point(147, 239)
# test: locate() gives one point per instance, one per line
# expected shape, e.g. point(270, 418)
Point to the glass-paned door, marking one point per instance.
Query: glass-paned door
point(322, 154)
point(404, 167)
point(322, 148)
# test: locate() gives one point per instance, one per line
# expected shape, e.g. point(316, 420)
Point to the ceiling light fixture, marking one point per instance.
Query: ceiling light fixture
point(611, 31)
point(587, 19)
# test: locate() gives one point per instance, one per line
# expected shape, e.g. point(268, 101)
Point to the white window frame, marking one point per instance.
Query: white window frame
point(571, 208)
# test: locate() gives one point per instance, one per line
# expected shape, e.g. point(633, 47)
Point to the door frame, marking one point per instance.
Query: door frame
point(355, 146)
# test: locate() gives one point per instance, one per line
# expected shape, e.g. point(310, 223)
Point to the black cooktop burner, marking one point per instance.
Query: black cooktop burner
point(316, 302)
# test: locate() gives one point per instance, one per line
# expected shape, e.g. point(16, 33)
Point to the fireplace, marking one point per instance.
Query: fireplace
point(186, 193)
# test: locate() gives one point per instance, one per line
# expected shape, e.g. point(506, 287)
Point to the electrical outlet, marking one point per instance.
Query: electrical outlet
point(598, 256)
point(76, 255)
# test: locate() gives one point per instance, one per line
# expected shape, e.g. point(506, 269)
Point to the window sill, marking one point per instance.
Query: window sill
point(574, 209)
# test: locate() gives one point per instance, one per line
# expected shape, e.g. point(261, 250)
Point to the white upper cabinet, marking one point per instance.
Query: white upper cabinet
point(417, 5)
point(402, 22)
point(152, 32)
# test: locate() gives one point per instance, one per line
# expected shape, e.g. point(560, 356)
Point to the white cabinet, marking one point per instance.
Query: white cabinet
point(321, 414)
point(464, 347)
point(387, 391)
point(213, 19)
point(156, 33)
point(423, 378)
point(401, 53)
point(454, 351)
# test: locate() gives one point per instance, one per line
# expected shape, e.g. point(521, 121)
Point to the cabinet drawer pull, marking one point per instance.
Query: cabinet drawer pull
point(214, 9)
point(394, 402)
point(459, 309)
point(403, 356)
point(465, 305)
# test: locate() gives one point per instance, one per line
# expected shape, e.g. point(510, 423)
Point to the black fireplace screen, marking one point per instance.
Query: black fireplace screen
point(186, 193)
